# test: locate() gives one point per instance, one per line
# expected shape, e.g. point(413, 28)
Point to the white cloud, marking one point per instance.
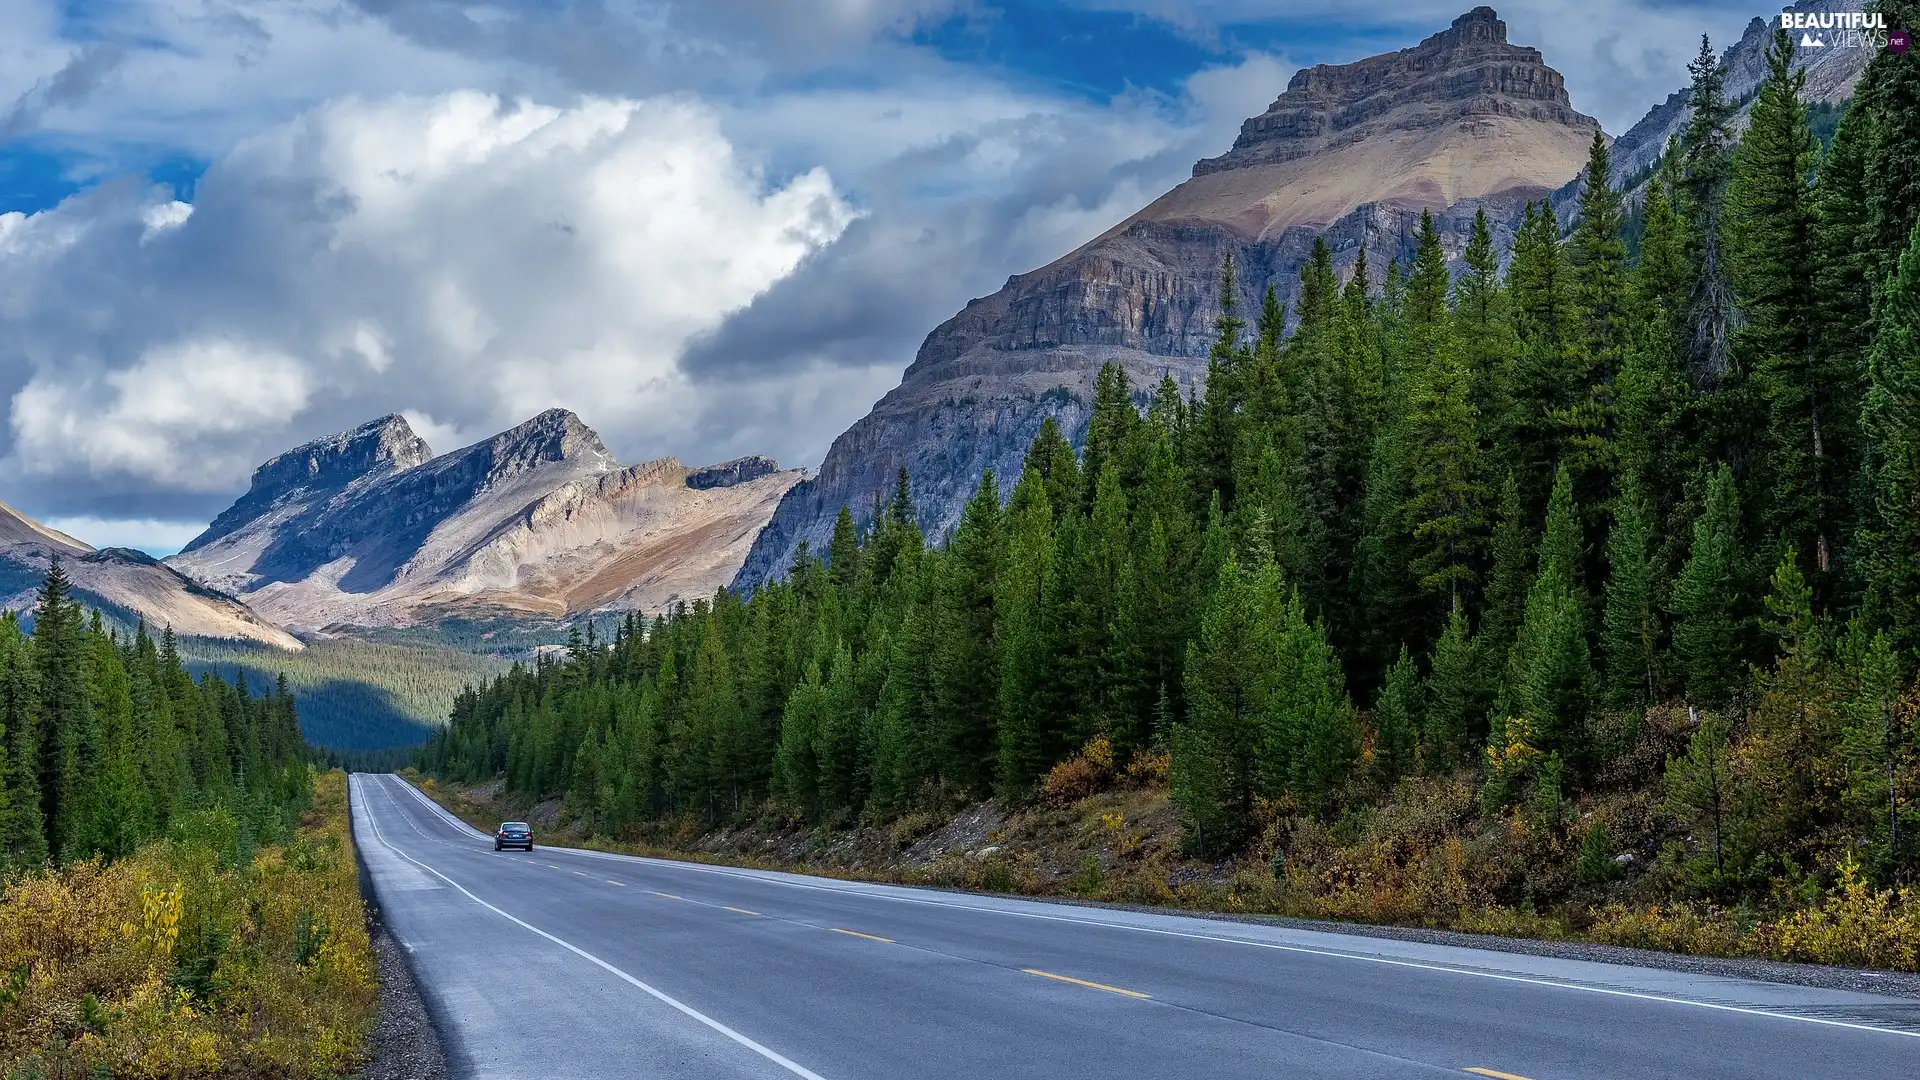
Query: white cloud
point(154, 536)
point(168, 418)
point(467, 258)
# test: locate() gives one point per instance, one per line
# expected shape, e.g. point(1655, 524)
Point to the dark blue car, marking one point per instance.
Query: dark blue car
point(513, 834)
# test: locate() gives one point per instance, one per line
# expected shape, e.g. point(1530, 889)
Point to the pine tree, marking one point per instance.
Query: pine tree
point(1596, 261)
point(1771, 264)
point(1396, 722)
point(965, 665)
point(836, 737)
point(1229, 680)
point(796, 763)
point(1483, 331)
point(1891, 423)
point(1656, 446)
point(1706, 167)
point(1547, 374)
point(1706, 596)
point(23, 841)
point(1630, 627)
point(1456, 705)
point(1549, 670)
point(1027, 738)
point(66, 738)
point(1110, 431)
point(1445, 514)
point(1215, 425)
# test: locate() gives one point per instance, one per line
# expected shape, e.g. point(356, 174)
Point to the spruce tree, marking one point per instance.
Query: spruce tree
point(65, 713)
point(1445, 514)
point(1456, 703)
point(1549, 670)
point(1891, 423)
point(1596, 261)
point(1706, 149)
point(1396, 722)
point(1706, 598)
point(1630, 626)
point(796, 763)
point(23, 841)
point(1772, 266)
point(1027, 738)
point(1229, 675)
point(965, 665)
point(1483, 331)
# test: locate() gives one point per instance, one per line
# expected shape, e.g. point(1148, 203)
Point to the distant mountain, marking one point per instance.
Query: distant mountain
point(124, 584)
point(1355, 152)
point(369, 528)
point(1831, 71)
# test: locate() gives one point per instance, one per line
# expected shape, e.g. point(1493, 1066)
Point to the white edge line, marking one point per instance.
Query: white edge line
point(1529, 980)
point(771, 1055)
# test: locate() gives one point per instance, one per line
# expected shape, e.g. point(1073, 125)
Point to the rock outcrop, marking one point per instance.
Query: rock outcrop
point(1353, 152)
point(540, 521)
point(123, 584)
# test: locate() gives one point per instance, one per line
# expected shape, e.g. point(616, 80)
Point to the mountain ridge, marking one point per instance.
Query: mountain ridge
point(369, 527)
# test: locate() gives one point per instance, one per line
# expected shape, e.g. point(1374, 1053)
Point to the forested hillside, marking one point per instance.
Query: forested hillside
point(1476, 530)
point(352, 694)
point(105, 740)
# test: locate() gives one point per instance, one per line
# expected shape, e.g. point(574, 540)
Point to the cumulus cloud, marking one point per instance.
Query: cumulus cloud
point(472, 259)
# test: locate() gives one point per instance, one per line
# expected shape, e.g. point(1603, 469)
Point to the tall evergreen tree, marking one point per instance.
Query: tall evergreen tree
point(1891, 423)
point(1706, 598)
point(1630, 627)
point(1772, 266)
point(1706, 147)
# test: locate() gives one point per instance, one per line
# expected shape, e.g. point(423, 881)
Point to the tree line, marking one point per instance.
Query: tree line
point(106, 741)
point(1426, 523)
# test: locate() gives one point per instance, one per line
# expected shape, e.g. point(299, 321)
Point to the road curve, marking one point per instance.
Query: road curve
point(559, 963)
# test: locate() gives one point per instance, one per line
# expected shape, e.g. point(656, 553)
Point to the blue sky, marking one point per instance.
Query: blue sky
point(767, 205)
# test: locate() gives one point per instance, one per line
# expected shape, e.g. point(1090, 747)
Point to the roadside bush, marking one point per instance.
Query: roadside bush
point(197, 956)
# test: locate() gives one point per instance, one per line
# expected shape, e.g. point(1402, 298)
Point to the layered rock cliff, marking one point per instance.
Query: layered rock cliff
point(370, 528)
point(1353, 152)
point(124, 584)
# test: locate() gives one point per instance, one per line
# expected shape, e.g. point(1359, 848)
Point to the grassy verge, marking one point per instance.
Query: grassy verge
point(1425, 859)
point(196, 957)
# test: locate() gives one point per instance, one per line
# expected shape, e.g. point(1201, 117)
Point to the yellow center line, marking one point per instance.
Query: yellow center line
point(856, 933)
point(555, 867)
point(622, 884)
point(1494, 1073)
point(1083, 982)
point(741, 910)
point(668, 895)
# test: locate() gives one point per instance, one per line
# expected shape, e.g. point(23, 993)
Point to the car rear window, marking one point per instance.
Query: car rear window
point(519, 826)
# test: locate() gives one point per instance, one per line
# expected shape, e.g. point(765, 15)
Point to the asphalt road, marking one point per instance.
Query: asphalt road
point(558, 964)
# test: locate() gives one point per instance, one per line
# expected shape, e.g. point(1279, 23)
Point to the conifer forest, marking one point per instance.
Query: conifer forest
point(1478, 524)
point(106, 741)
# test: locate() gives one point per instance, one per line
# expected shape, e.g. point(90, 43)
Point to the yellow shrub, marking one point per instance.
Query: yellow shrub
point(92, 959)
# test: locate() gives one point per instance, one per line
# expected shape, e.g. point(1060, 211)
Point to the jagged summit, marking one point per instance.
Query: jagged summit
point(539, 520)
point(376, 449)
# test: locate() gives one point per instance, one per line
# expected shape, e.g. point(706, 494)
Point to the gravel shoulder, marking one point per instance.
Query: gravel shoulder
point(404, 1044)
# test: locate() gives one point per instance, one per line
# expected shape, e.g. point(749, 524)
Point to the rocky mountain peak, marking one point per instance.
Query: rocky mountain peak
point(384, 445)
point(1481, 26)
point(376, 449)
point(1466, 71)
point(556, 435)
